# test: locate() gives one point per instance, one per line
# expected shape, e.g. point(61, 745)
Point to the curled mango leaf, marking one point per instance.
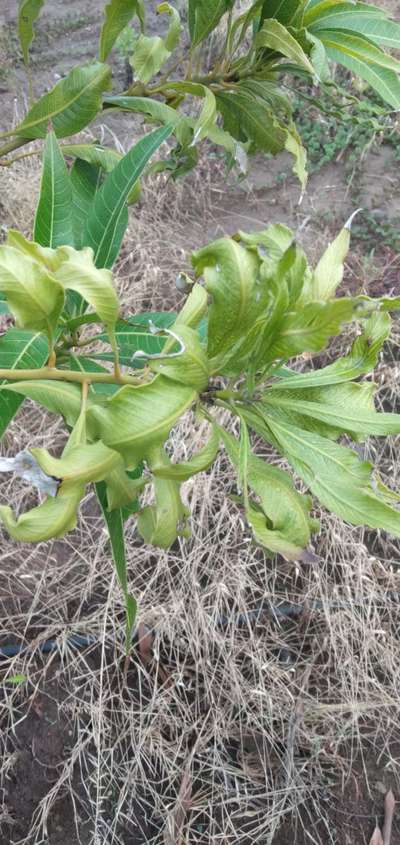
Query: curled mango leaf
point(135, 419)
point(281, 523)
point(199, 463)
point(54, 518)
point(329, 271)
point(188, 366)
point(123, 490)
point(34, 296)
point(81, 464)
point(57, 396)
point(162, 523)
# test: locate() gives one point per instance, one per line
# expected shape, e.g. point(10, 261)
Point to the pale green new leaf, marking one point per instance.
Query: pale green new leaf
point(284, 525)
point(230, 273)
point(81, 464)
point(336, 476)
point(18, 350)
point(52, 519)
point(135, 419)
point(96, 154)
point(78, 272)
point(156, 110)
point(70, 106)
point(149, 55)
point(190, 366)
point(200, 462)
point(308, 329)
point(117, 15)
point(56, 396)
point(207, 117)
point(347, 407)
point(173, 35)
point(328, 273)
point(103, 230)
point(34, 296)
point(162, 523)
point(28, 12)
point(362, 358)
point(53, 219)
point(276, 37)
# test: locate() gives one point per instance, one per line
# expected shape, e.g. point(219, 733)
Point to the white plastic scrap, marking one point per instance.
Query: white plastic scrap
point(27, 467)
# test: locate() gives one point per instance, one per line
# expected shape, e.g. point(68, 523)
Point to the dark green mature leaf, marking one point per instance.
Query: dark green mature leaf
point(19, 350)
point(70, 106)
point(28, 12)
point(53, 219)
point(204, 17)
point(336, 476)
point(134, 336)
point(85, 181)
point(288, 12)
point(276, 37)
point(362, 358)
point(248, 120)
point(117, 13)
point(103, 230)
point(115, 525)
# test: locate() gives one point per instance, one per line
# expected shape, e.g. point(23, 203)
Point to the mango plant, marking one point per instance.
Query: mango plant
point(253, 308)
point(235, 95)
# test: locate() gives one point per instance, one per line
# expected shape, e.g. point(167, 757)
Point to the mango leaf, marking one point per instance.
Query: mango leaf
point(4, 309)
point(85, 181)
point(230, 273)
point(34, 296)
point(204, 16)
point(70, 106)
point(56, 396)
point(123, 489)
point(188, 365)
point(362, 358)
point(309, 329)
point(18, 350)
point(207, 117)
point(149, 55)
point(162, 523)
point(366, 60)
point(200, 462)
point(81, 464)
point(359, 19)
point(53, 219)
point(28, 12)
point(117, 14)
point(77, 272)
point(283, 525)
point(156, 110)
point(336, 476)
point(194, 310)
point(276, 37)
point(328, 273)
point(135, 419)
point(115, 525)
point(247, 119)
point(288, 12)
point(52, 519)
point(103, 230)
point(347, 407)
point(173, 35)
point(95, 154)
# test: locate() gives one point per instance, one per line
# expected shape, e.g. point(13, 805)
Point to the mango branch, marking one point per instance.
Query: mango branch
point(54, 374)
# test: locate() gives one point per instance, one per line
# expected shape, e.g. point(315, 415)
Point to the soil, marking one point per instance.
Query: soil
point(44, 728)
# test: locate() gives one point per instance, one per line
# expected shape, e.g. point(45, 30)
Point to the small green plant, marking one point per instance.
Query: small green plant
point(253, 307)
point(241, 88)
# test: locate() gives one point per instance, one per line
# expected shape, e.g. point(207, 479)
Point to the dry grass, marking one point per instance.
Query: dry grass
point(216, 733)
